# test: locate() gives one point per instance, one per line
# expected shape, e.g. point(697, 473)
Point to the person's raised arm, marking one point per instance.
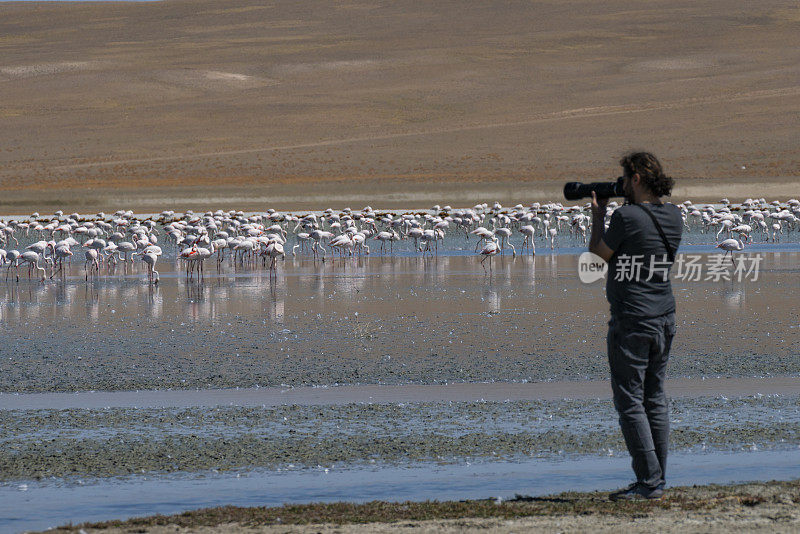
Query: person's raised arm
point(596, 243)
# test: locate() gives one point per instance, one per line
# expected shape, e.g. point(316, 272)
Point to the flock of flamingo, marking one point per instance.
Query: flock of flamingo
point(248, 239)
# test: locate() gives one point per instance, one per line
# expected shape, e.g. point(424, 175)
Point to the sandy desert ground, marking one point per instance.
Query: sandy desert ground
point(196, 104)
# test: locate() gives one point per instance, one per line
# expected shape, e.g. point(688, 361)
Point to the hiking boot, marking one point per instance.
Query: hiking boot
point(636, 492)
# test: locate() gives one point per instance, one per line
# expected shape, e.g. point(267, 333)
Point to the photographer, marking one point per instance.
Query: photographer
point(639, 246)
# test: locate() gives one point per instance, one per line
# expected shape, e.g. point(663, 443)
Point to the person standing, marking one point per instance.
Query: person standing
point(640, 245)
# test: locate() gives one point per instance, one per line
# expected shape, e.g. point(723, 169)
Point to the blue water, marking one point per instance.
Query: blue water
point(39, 505)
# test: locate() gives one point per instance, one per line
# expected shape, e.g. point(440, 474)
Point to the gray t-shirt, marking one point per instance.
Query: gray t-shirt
point(638, 282)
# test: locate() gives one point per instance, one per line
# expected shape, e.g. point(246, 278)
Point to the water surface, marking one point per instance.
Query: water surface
point(49, 504)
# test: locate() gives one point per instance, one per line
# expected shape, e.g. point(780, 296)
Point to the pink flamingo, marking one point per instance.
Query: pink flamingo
point(489, 249)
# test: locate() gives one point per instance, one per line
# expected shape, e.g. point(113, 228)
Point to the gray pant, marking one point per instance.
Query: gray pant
point(638, 350)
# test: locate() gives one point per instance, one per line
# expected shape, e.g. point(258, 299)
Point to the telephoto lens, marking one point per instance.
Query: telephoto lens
point(579, 190)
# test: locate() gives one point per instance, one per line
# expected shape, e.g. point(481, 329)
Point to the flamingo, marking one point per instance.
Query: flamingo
point(125, 248)
point(725, 224)
point(776, 229)
point(427, 237)
point(150, 259)
point(302, 241)
point(186, 255)
point(109, 252)
point(552, 233)
point(489, 249)
point(200, 256)
point(383, 237)
point(528, 232)
point(12, 257)
point(275, 250)
point(359, 242)
point(9, 231)
point(32, 259)
point(39, 247)
point(744, 231)
point(504, 234)
point(729, 245)
point(342, 242)
point(484, 235)
point(581, 229)
point(246, 247)
point(415, 233)
point(318, 235)
point(97, 245)
point(152, 249)
point(220, 245)
point(92, 263)
point(60, 252)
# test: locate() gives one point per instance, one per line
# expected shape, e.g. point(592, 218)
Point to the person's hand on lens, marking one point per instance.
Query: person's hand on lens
point(599, 206)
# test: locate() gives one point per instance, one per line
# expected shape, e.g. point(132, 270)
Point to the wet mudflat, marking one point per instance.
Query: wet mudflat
point(370, 367)
point(379, 320)
point(40, 444)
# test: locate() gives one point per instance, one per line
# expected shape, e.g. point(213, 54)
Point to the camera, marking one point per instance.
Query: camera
point(578, 190)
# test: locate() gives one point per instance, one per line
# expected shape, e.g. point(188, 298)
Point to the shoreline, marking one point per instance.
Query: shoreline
point(755, 506)
point(310, 195)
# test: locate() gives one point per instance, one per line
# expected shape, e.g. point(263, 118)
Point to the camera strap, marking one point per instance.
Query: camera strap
point(670, 253)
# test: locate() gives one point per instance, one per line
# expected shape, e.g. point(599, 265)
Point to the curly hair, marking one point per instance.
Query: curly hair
point(649, 169)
